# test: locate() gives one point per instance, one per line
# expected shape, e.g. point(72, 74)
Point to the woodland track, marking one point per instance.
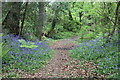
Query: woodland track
point(61, 65)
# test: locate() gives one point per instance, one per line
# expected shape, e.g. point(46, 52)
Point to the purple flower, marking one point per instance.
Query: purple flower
point(18, 60)
point(11, 35)
point(24, 62)
point(5, 64)
point(35, 49)
point(98, 63)
point(36, 43)
point(118, 69)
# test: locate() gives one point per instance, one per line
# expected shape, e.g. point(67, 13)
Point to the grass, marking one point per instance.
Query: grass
point(20, 54)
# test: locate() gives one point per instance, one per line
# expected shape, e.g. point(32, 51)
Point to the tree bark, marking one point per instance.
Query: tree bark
point(116, 20)
point(80, 16)
point(53, 23)
point(40, 20)
point(70, 15)
point(23, 19)
point(12, 19)
point(54, 19)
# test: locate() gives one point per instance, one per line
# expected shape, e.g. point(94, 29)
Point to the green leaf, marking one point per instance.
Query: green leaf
point(31, 46)
point(27, 44)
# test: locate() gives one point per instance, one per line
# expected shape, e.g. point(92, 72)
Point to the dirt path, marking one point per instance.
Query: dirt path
point(61, 66)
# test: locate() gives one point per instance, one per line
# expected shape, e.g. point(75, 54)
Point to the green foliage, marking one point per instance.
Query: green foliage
point(62, 35)
point(90, 35)
point(115, 76)
point(4, 50)
point(27, 44)
point(105, 57)
point(11, 74)
point(19, 54)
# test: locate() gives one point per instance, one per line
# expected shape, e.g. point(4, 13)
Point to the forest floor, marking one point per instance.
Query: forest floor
point(61, 65)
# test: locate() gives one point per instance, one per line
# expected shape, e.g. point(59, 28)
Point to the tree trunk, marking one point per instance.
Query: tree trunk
point(23, 19)
point(119, 32)
point(80, 16)
point(40, 20)
point(116, 18)
point(12, 19)
point(80, 19)
point(54, 19)
point(115, 22)
point(70, 15)
point(53, 23)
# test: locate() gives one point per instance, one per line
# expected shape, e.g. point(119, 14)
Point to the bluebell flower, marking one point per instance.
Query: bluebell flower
point(98, 63)
point(34, 48)
point(106, 59)
point(11, 35)
point(118, 69)
point(5, 64)
point(24, 62)
point(36, 43)
point(18, 60)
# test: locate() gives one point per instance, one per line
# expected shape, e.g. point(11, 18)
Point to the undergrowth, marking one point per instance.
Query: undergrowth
point(63, 35)
point(104, 55)
point(20, 54)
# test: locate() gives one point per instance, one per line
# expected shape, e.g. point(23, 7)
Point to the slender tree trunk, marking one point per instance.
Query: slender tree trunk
point(80, 16)
point(80, 19)
point(6, 18)
point(70, 15)
point(116, 18)
point(53, 24)
point(23, 19)
point(119, 32)
point(54, 20)
point(115, 22)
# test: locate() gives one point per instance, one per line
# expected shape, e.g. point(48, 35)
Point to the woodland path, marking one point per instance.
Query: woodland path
point(61, 65)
